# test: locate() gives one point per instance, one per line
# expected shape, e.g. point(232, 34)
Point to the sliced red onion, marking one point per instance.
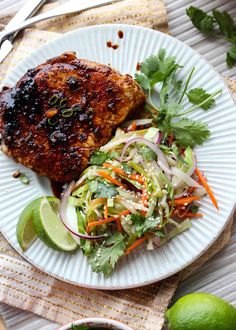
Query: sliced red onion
point(62, 212)
point(158, 152)
point(158, 138)
point(164, 168)
point(131, 155)
point(185, 177)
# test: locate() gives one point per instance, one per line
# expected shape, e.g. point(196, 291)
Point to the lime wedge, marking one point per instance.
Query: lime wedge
point(25, 232)
point(49, 227)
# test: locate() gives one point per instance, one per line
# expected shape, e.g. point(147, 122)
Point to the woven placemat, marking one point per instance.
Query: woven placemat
point(24, 286)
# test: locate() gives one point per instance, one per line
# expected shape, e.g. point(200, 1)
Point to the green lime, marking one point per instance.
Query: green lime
point(25, 232)
point(49, 227)
point(201, 311)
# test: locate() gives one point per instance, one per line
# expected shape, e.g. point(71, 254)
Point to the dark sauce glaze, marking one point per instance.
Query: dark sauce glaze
point(138, 66)
point(57, 188)
point(121, 34)
point(110, 45)
point(60, 149)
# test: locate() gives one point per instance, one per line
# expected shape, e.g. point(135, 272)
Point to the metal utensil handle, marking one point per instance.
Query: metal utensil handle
point(67, 8)
point(27, 10)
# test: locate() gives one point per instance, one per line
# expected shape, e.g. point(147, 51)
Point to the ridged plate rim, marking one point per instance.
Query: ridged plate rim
point(106, 28)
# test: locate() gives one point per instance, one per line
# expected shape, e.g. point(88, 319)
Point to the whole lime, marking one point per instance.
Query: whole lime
point(201, 311)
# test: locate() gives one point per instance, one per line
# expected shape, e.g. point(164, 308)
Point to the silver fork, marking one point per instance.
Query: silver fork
point(69, 7)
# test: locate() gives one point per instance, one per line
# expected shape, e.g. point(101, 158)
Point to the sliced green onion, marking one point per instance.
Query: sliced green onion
point(52, 121)
point(63, 103)
point(24, 179)
point(76, 107)
point(53, 100)
point(67, 113)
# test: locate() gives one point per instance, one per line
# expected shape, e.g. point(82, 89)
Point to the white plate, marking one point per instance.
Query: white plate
point(216, 158)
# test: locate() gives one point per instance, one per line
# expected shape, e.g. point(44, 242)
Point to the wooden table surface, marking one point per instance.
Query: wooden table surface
point(218, 275)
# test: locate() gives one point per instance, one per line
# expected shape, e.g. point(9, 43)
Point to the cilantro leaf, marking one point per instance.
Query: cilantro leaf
point(150, 66)
point(194, 208)
point(170, 106)
point(156, 68)
point(143, 225)
point(160, 234)
point(105, 257)
point(147, 153)
point(126, 168)
point(190, 133)
point(198, 95)
point(221, 24)
point(102, 189)
point(143, 81)
point(231, 56)
point(225, 22)
point(200, 19)
point(98, 157)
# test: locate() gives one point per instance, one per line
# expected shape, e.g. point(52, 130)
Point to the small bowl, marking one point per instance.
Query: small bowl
point(98, 322)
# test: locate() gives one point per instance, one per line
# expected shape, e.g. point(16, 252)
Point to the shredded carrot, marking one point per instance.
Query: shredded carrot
point(119, 226)
point(135, 244)
point(191, 190)
point(104, 221)
point(88, 229)
point(203, 181)
point(144, 198)
point(105, 211)
point(110, 178)
point(193, 215)
point(132, 127)
point(134, 177)
point(97, 201)
point(51, 113)
point(182, 201)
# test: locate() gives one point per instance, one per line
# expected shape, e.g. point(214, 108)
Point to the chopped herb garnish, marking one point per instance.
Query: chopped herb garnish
point(105, 257)
point(53, 100)
point(194, 208)
point(98, 157)
point(24, 179)
point(102, 189)
point(79, 327)
point(143, 224)
point(67, 113)
point(76, 107)
point(63, 103)
point(52, 121)
point(162, 70)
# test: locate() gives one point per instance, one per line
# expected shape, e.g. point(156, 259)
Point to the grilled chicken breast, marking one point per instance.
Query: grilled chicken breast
point(62, 110)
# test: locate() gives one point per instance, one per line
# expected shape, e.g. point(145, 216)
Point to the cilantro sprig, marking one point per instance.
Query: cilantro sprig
point(104, 257)
point(219, 25)
point(160, 72)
